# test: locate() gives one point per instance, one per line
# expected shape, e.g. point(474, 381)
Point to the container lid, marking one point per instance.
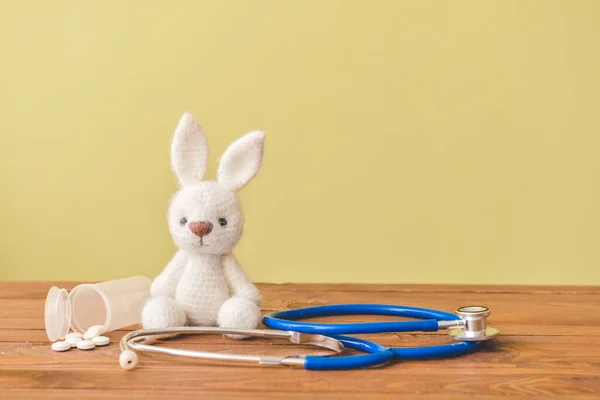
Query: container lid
point(57, 313)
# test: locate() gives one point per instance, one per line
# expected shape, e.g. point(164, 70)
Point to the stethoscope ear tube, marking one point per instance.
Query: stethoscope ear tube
point(376, 354)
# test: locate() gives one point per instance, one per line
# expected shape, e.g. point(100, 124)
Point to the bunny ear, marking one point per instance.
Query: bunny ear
point(189, 151)
point(241, 161)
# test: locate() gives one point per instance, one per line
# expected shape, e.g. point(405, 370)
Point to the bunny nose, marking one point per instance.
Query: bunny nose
point(201, 228)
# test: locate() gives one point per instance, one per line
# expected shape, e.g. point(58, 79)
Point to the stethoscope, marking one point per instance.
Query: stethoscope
point(468, 327)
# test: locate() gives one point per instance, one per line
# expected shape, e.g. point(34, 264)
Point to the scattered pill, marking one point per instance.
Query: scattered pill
point(60, 346)
point(93, 331)
point(101, 340)
point(73, 335)
point(73, 340)
point(85, 345)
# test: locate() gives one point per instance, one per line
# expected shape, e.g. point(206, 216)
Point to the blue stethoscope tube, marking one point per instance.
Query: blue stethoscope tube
point(288, 320)
point(376, 354)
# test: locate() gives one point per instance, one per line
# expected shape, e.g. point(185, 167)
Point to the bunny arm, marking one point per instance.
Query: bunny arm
point(239, 282)
point(166, 282)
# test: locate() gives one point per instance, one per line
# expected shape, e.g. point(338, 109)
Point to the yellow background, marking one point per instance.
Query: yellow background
point(407, 141)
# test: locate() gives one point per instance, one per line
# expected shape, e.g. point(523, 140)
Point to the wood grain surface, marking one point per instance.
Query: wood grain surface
point(549, 347)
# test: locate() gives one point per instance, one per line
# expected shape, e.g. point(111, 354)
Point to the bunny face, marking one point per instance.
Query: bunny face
point(205, 216)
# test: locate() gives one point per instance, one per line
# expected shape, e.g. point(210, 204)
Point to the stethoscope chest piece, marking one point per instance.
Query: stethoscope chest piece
point(473, 326)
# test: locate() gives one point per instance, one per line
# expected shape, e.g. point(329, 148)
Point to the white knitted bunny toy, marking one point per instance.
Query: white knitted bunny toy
point(204, 284)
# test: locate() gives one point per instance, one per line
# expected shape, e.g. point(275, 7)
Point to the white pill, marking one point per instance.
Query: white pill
point(73, 335)
point(60, 346)
point(101, 340)
point(73, 340)
point(85, 345)
point(93, 331)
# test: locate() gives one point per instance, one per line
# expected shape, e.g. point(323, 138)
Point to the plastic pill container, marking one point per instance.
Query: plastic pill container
point(113, 304)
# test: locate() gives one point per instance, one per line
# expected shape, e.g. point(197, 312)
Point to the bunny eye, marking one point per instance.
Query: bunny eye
point(183, 221)
point(222, 221)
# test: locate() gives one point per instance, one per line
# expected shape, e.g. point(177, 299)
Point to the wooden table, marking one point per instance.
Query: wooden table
point(549, 347)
